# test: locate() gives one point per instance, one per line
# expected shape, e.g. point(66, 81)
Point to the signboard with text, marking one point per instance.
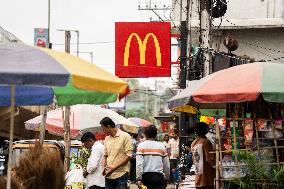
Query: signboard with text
point(142, 49)
point(41, 37)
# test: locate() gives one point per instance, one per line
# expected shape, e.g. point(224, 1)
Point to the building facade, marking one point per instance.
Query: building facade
point(256, 24)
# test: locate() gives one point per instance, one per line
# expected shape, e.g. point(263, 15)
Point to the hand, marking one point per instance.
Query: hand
point(104, 171)
point(176, 155)
point(85, 173)
point(139, 182)
point(109, 170)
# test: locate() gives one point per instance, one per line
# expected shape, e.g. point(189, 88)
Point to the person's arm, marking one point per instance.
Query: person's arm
point(166, 167)
point(128, 154)
point(104, 163)
point(170, 148)
point(210, 157)
point(94, 159)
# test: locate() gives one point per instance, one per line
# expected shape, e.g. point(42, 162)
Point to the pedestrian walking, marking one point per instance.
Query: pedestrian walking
point(118, 152)
point(188, 157)
point(152, 161)
point(93, 174)
point(202, 158)
point(174, 153)
point(132, 174)
point(166, 143)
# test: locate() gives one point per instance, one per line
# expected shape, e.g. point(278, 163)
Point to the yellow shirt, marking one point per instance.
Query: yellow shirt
point(116, 148)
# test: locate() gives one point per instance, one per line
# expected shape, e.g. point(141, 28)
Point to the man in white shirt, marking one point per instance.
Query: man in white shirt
point(174, 152)
point(166, 143)
point(95, 178)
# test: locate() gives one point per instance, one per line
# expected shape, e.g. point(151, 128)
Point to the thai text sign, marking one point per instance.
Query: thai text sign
point(142, 49)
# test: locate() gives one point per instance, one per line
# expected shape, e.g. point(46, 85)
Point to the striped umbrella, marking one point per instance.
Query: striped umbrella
point(33, 70)
point(139, 121)
point(237, 84)
point(83, 118)
point(28, 75)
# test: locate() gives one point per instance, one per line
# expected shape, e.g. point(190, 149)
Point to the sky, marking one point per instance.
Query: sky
point(95, 20)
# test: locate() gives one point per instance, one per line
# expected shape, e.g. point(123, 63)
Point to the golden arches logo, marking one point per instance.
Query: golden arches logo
point(142, 48)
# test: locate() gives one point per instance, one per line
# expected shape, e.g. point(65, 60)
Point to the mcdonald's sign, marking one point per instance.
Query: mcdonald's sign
point(142, 49)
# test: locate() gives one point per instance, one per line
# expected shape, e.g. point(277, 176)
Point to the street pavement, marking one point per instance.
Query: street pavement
point(134, 186)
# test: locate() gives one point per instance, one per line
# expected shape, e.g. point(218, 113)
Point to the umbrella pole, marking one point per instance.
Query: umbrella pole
point(218, 149)
point(67, 138)
point(12, 122)
point(42, 125)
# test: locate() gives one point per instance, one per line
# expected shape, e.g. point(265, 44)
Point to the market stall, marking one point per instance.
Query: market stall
point(251, 134)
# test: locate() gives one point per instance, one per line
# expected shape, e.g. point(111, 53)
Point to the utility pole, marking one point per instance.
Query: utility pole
point(183, 75)
point(156, 9)
point(48, 24)
point(204, 32)
point(43, 109)
point(146, 95)
point(67, 114)
point(77, 32)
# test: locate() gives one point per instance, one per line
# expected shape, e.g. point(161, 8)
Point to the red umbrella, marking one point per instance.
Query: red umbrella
point(237, 84)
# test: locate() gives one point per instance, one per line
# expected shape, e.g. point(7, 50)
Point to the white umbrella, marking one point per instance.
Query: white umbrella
point(82, 118)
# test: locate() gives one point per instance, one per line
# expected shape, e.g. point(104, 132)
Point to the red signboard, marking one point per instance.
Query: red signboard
point(142, 49)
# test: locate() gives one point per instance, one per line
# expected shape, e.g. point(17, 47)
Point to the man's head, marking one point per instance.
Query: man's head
point(175, 134)
point(88, 139)
point(201, 129)
point(166, 138)
point(150, 132)
point(107, 125)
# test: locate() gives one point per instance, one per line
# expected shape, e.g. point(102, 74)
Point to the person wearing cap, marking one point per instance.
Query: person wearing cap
point(95, 179)
point(202, 158)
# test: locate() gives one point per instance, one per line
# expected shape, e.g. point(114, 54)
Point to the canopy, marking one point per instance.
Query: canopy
point(139, 121)
point(24, 65)
point(28, 73)
point(236, 84)
point(82, 118)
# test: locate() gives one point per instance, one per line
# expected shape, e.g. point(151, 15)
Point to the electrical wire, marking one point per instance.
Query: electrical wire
point(86, 43)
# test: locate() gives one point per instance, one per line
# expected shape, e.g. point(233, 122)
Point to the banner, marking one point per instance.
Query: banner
point(41, 37)
point(142, 49)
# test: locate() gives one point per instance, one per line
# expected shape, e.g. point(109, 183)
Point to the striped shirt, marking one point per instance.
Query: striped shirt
point(152, 156)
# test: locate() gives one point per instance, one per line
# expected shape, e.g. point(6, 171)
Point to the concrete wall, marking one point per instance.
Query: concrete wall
point(270, 38)
point(240, 11)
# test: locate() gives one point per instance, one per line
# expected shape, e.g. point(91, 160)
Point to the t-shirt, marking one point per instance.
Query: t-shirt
point(204, 162)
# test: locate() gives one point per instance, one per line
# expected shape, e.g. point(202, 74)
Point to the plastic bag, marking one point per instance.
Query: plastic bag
point(75, 175)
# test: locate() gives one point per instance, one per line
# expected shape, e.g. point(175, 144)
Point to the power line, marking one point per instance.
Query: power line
point(87, 43)
point(258, 46)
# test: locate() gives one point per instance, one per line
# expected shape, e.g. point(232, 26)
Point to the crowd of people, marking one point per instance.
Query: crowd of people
point(144, 160)
point(153, 163)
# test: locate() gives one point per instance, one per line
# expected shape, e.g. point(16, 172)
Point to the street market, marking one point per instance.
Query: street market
point(144, 94)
